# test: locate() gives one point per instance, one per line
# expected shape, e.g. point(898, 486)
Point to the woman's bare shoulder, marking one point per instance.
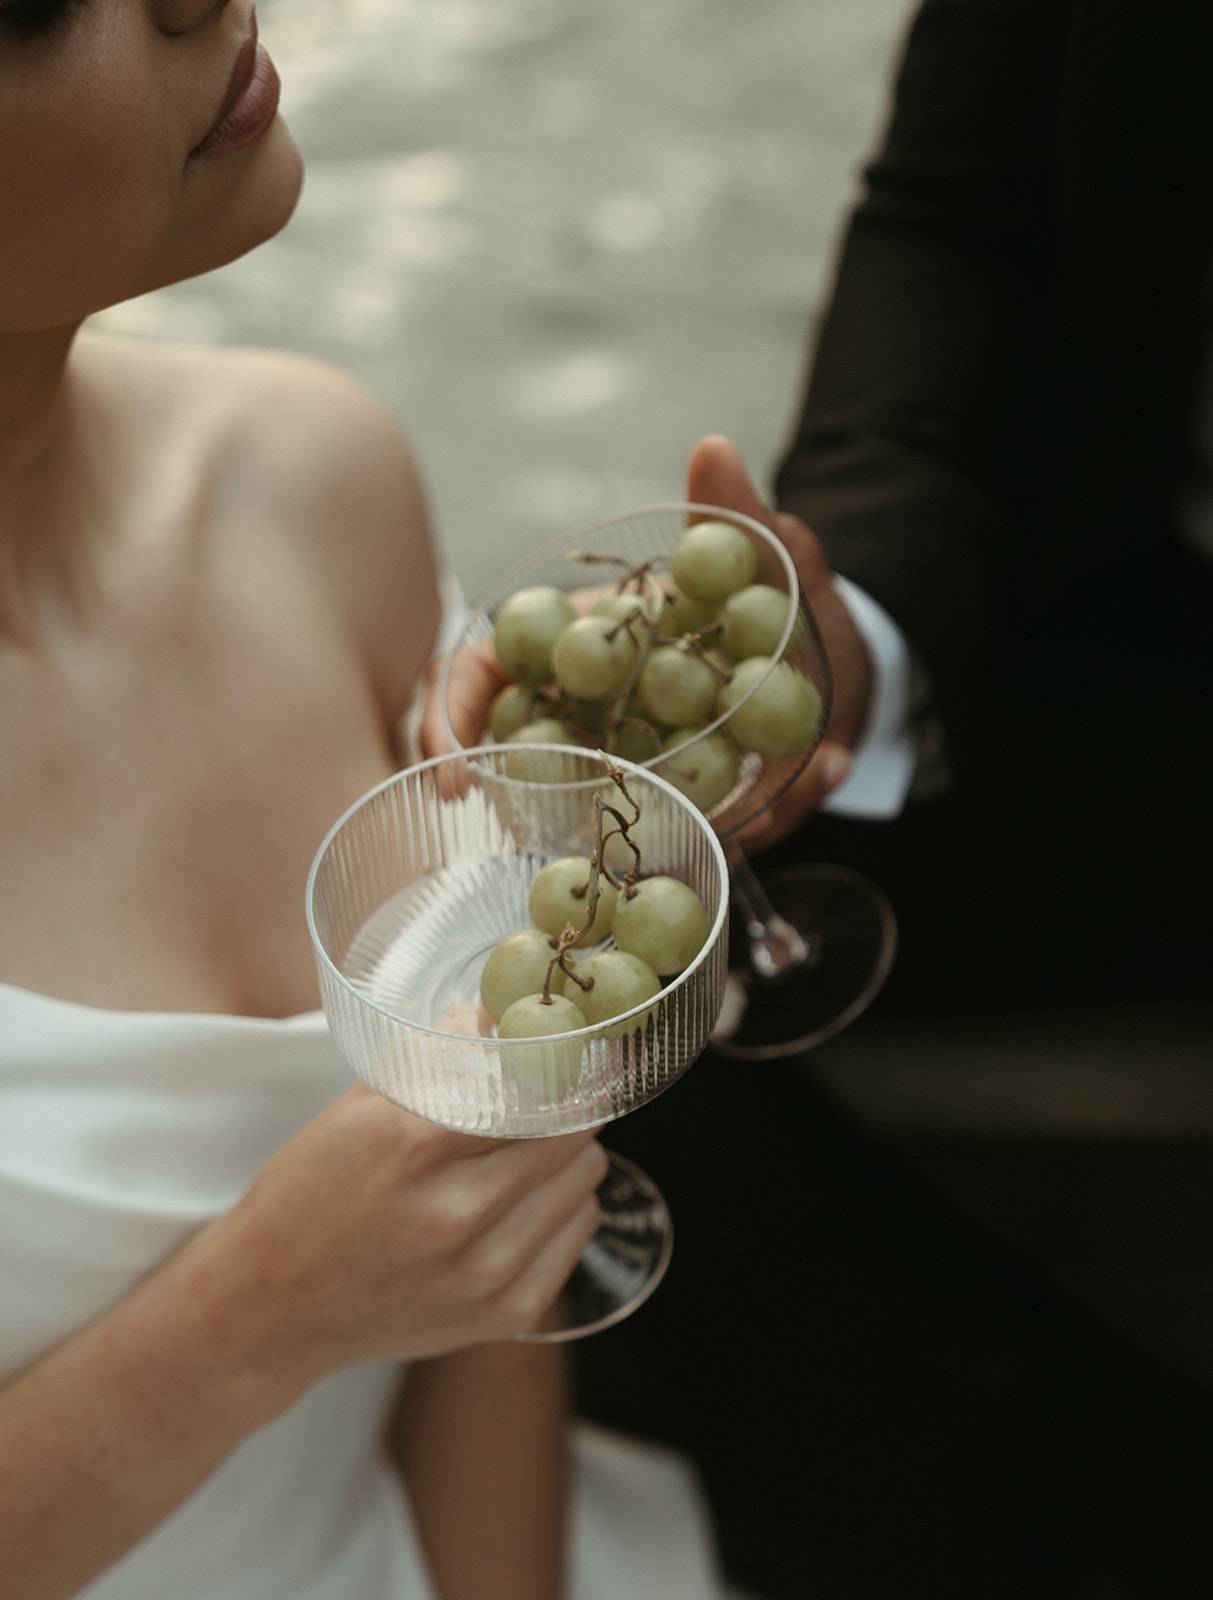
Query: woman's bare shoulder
point(280, 424)
point(298, 452)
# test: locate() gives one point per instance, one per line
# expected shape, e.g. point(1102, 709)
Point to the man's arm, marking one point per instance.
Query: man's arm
point(912, 453)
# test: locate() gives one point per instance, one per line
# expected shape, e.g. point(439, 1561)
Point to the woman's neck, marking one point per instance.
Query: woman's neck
point(33, 385)
point(38, 444)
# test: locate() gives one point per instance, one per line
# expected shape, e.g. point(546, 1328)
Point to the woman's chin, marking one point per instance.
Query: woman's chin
point(290, 172)
point(243, 199)
point(233, 202)
point(266, 195)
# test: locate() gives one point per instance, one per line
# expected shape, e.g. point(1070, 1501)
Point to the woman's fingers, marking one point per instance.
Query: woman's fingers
point(475, 677)
point(522, 1233)
point(517, 1166)
point(480, 1193)
point(534, 1293)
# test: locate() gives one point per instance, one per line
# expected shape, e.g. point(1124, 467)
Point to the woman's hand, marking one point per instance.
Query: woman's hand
point(372, 1234)
point(476, 676)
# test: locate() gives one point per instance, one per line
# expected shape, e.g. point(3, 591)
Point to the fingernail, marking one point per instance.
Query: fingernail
point(835, 765)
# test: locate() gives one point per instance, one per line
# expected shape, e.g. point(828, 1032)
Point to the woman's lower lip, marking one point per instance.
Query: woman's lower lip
point(251, 115)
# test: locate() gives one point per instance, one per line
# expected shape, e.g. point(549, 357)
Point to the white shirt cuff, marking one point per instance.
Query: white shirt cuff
point(885, 755)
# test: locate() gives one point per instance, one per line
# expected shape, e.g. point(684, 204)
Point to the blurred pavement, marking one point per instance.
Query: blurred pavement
point(563, 239)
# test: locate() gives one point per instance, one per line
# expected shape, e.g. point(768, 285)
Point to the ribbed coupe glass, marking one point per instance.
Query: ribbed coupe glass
point(812, 945)
point(408, 895)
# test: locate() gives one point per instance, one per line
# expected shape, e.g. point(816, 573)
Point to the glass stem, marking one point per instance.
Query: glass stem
point(776, 947)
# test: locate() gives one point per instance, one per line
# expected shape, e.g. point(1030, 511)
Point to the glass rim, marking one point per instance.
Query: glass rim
point(719, 723)
point(591, 1030)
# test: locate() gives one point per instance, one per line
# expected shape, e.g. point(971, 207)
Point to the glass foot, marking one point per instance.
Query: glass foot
point(850, 938)
point(622, 1264)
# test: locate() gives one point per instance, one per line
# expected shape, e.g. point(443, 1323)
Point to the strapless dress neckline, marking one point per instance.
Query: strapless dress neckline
point(123, 1132)
point(19, 994)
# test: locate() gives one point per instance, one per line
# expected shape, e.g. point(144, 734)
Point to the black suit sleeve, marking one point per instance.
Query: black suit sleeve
point(916, 435)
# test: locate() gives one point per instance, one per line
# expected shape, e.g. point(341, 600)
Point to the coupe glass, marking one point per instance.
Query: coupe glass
point(408, 895)
point(811, 945)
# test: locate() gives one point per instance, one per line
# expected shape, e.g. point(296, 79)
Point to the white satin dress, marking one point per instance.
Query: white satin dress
point(121, 1133)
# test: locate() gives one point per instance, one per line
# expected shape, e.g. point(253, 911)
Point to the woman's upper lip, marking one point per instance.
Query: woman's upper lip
point(242, 73)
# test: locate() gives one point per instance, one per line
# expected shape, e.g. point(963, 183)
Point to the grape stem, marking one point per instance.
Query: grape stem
point(568, 937)
point(565, 710)
point(635, 615)
point(617, 708)
point(592, 888)
point(639, 722)
point(636, 574)
point(601, 809)
point(638, 577)
point(692, 644)
point(708, 631)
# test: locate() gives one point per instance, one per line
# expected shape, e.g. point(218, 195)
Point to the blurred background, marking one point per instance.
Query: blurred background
point(564, 239)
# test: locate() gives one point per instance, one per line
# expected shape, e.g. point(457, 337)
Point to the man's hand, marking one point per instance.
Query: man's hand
point(717, 476)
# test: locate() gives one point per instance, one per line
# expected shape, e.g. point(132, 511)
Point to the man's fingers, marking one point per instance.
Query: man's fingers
point(717, 476)
point(804, 547)
point(828, 769)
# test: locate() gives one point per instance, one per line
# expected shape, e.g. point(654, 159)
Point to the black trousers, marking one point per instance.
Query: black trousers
point(882, 1399)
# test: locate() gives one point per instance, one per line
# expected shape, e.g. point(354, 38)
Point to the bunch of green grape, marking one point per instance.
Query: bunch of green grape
point(637, 931)
point(653, 665)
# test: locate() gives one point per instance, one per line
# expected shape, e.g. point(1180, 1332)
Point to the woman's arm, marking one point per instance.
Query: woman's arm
point(108, 1434)
point(482, 1440)
point(369, 1236)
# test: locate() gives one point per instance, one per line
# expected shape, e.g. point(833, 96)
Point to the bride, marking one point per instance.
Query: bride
point(217, 591)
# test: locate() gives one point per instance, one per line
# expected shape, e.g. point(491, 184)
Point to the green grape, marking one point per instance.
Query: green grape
point(712, 560)
point(634, 707)
point(586, 720)
point(553, 905)
point(538, 766)
point(588, 662)
point(551, 1070)
point(706, 770)
point(754, 619)
point(782, 718)
point(512, 708)
point(618, 606)
point(677, 688)
point(527, 626)
point(664, 923)
point(621, 981)
point(684, 615)
point(633, 742)
point(517, 967)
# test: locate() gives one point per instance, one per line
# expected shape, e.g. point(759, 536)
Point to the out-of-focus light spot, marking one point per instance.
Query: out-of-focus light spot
point(426, 179)
point(578, 382)
point(557, 497)
point(366, 305)
point(627, 221)
point(156, 316)
point(564, 108)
